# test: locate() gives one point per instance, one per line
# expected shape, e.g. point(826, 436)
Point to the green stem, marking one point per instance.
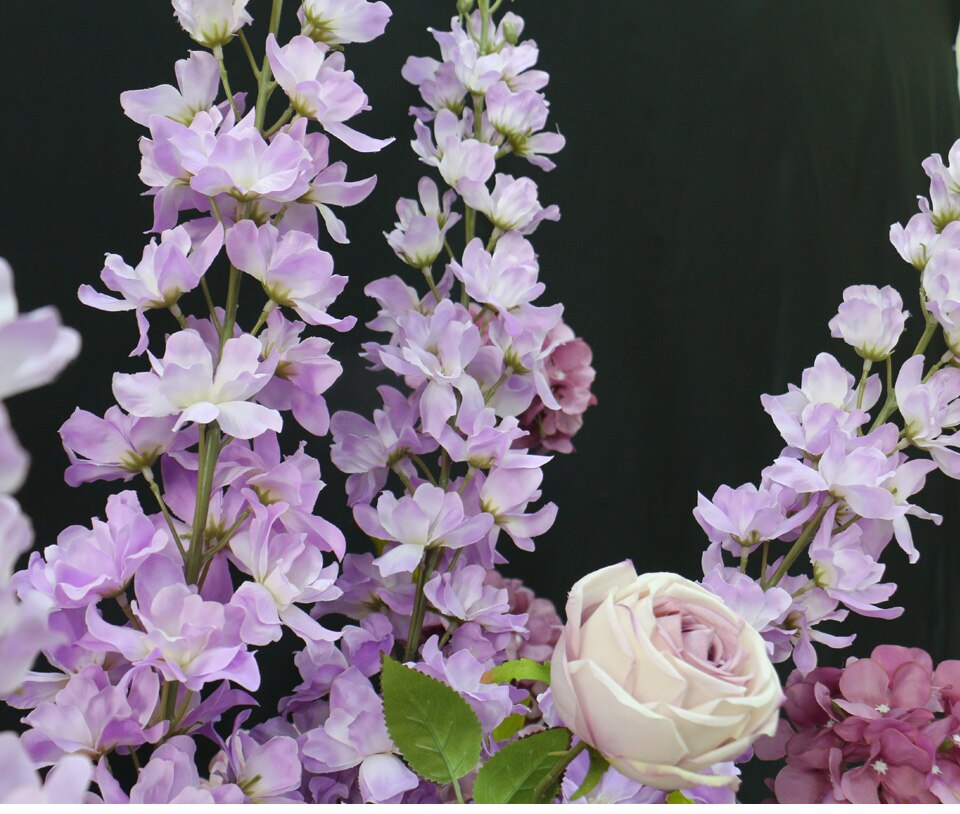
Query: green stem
point(427, 564)
point(544, 786)
point(763, 559)
point(744, 558)
point(424, 469)
point(266, 74)
point(798, 547)
point(284, 118)
point(218, 53)
point(428, 275)
point(213, 310)
point(444, 470)
point(168, 700)
point(148, 476)
point(121, 600)
point(261, 320)
point(403, 478)
point(209, 451)
point(233, 301)
point(178, 316)
point(456, 790)
point(867, 364)
point(249, 52)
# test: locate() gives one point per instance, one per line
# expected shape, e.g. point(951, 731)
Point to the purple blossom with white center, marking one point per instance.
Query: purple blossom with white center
point(429, 518)
point(166, 272)
point(871, 320)
point(117, 446)
point(477, 71)
point(466, 597)
point(811, 607)
point(355, 734)
point(92, 717)
point(87, 565)
point(422, 227)
point(511, 206)
point(319, 88)
point(747, 516)
point(198, 84)
point(928, 408)
point(436, 349)
point(506, 493)
point(456, 156)
point(941, 284)
point(544, 624)
point(396, 300)
point(366, 450)
point(286, 570)
point(293, 271)
point(438, 84)
point(66, 783)
point(338, 22)
point(366, 590)
point(847, 573)
point(944, 204)
point(267, 772)
point(485, 443)
point(185, 384)
point(918, 241)
point(503, 280)
point(305, 371)
point(185, 637)
point(364, 646)
point(212, 23)
point(826, 400)
point(491, 702)
point(245, 166)
point(519, 117)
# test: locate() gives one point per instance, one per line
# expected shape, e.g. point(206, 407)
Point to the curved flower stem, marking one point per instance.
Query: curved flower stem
point(798, 547)
point(178, 316)
point(263, 81)
point(284, 118)
point(209, 451)
point(213, 309)
point(867, 364)
point(555, 773)
point(218, 53)
point(427, 564)
point(456, 790)
point(168, 701)
point(249, 52)
point(261, 320)
point(428, 276)
point(233, 301)
point(424, 469)
point(148, 476)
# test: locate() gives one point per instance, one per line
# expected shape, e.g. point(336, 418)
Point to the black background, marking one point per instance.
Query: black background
point(730, 168)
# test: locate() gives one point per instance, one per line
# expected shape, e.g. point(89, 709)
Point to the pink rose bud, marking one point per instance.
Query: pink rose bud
point(661, 677)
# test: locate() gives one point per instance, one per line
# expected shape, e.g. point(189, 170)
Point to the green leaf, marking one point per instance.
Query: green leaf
point(512, 774)
point(435, 730)
point(519, 670)
point(598, 766)
point(510, 726)
point(679, 797)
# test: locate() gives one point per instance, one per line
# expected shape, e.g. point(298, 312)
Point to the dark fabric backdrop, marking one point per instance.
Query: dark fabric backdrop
point(731, 167)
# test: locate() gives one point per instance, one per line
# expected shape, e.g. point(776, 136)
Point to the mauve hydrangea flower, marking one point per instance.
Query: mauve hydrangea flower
point(212, 23)
point(87, 565)
point(455, 156)
point(267, 772)
point(511, 206)
point(186, 638)
point(871, 320)
point(117, 446)
point(338, 22)
point(918, 241)
point(467, 597)
point(506, 493)
point(293, 271)
point(65, 784)
point(319, 88)
point(198, 83)
point(355, 734)
point(429, 518)
point(92, 717)
point(166, 272)
point(185, 384)
point(928, 408)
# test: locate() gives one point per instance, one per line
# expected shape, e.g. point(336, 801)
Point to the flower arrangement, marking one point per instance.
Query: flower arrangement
point(424, 674)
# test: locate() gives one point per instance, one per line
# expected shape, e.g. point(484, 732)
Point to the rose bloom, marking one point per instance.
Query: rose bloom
point(661, 677)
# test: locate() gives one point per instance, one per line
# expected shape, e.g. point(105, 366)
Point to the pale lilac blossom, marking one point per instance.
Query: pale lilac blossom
point(918, 241)
point(212, 23)
point(506, 493)
point(267, 772)
point(66, 783)
point(337, 22)
point(456, 156)
point(198, 83)
point(871, 320)
point(467, 597)
point(928, 408)
point(511, 206)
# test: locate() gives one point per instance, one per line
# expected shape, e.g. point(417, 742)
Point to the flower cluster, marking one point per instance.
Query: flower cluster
point(858, 448)
point(884, 729)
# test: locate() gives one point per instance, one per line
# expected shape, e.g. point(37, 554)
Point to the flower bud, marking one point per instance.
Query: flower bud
point(510, 33)
point(464, 7)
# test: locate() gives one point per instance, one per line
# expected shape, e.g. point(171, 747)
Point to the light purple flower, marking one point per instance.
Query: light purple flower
point(267, 772)
point(484, 443)
point(366, 590)
point(941, 284)
point(613, 788)
point(337, 22)
point(467, 597)
point(505, 494)
point(429, 518)
point(455, 155)
point(183, 636)
point(422, 226)
point(355, 734)
point(519, 117)
point(364, 646)
point(944, 204)
point(87, 565)
point(319, 88)
point(438, 84)
point(166, 272)
point(92, 717)
point(511, 206)
point(198, 83)
point(66, 783)
point(285, 570)
point(544, 624)
point(185, 384)
point(212, 23)
point(117, 446)
point(871, 320)
point(918, 241)
point(293, 271)
point(928, 408)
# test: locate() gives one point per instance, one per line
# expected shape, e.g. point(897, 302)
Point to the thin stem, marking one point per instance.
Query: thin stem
point(233, 300)
point(266, 74)
point(261, 320)
point(218, 53)
point(428, 276)
point(121, 600)
point(427, 564)
point(449, 631)
point(209, 451)
point(466, 481)
point(250, 57)
point(227, 536)
point(798, 547)
point(867, 364)
point(456, 790)
point(489, 394)
point(403, 478)
point(284, 118)
point(135, 759)
point(540, 792)
point(444, 470)
point(424, 469)
point(213, 309)
point(148, 476)
point(168, 700)
point(178, 315)
point(744, 558)
point(763, 559)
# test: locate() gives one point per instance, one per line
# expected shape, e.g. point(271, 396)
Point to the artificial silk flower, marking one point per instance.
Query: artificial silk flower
point(65, 783)
point(337, 22)
point(511, 206)
point(456, 156)
point(871, 320)
point(212, 23)
point(198, 83)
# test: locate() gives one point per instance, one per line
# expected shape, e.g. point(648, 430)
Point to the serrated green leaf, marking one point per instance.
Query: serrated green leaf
point(435, 730)
point(598, 766)
point(509, 727)
point(675, 797)
point(518, 670)
point(512, 774)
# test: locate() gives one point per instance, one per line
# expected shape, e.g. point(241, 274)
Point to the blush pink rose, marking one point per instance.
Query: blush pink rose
point(661, 677)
